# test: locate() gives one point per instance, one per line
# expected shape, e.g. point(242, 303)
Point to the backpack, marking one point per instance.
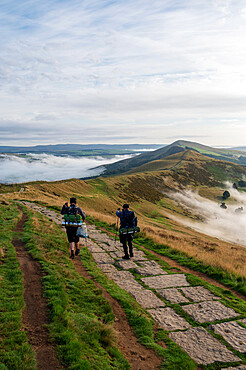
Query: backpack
point(129, 219)
point(73, 214)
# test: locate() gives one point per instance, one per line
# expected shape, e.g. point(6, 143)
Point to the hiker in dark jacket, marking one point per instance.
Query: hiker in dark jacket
point(72, 230)
point(126, 220)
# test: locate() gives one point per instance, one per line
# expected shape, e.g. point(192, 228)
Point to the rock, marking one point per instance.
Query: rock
point(202, 347)
point(233, 333)
point(209, 311)
point(166, 281)
point(198, 294)
point(169, 319)
point(172, 295)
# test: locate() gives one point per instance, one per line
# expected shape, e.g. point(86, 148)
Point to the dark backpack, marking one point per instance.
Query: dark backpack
point(128, 219)
point(72, 210)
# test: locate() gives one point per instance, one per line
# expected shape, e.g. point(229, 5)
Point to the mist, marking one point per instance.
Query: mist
point(226, 224)
point(46, 167)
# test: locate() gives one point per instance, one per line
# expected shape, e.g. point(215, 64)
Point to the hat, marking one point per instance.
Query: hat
point(72, 200)
point(125, 205)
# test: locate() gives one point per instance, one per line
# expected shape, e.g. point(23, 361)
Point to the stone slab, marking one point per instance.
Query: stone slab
point(209, 311)
point(169, 319)
point(109, 247)
point(107, 268)
point(166, 281)
point(233, 333)
point(147, 299)
point(130, 286)
point(148, 263)
point(241, 367)
point(198, 294)
point(102, 258)
point(117, 254)
point(120, 275)
point(93, 247)
point(150, 271)
point(172, 295)
point(202, 347)
point(139, 255)
point(126, 264)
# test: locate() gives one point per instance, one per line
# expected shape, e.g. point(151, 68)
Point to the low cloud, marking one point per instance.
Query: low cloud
point(16, 169)
point(227, 224)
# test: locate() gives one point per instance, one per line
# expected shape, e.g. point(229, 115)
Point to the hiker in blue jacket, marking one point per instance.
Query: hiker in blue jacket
point(127, 218)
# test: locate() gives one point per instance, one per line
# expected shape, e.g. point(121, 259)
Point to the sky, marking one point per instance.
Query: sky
point(105, 71)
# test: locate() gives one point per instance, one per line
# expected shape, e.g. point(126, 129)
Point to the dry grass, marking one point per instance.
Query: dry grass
point(211, 251)
point(100, 199)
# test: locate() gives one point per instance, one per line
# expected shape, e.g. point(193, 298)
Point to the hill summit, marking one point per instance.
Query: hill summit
point(238, 157)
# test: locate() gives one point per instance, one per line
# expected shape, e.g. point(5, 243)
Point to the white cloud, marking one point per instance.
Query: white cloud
point(225, 224)
point(33, 167)
point(91, 63)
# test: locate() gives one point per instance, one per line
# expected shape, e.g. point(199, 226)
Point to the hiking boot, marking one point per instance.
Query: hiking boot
point(125, 257)
point(72, 255)
point(131, 254)
point(77, 252)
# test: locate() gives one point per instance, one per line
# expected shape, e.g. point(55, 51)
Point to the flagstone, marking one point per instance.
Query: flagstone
point(126, 264)
point(202, 347)
point(209, 311)
point(102, 258)
point(147, 299)
point(172, 295)
point(233, 333)
point(198, 294)
point(169, 319)
point(166, 281)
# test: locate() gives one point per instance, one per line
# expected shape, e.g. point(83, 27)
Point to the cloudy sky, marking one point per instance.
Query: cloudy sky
point(124, 71)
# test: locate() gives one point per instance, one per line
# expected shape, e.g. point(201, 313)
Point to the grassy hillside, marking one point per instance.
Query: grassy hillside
point(237, 157)
point(148, 194)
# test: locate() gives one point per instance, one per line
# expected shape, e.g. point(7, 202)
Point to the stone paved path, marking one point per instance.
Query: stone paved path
point(156, 288)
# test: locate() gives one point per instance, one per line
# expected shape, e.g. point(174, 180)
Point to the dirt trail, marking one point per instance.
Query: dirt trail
point(138, 356)
point(35, 316)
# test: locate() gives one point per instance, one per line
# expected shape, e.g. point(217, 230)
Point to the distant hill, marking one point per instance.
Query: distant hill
point(237, 157)
point(70, 148)
point(241, 148)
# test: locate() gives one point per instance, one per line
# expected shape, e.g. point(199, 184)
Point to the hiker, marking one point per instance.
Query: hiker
point(127, 218)
point(72, 230)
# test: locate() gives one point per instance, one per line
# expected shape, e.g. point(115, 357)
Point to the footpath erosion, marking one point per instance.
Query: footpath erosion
point(209, 331)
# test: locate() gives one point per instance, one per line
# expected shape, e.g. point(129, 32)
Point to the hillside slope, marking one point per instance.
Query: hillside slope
point(237, 157)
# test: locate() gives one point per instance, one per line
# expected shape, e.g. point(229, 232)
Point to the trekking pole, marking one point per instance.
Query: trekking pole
point(116, 230)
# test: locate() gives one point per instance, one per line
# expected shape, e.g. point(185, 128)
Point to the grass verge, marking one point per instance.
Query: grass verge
point(80, 318)
point(15, 352)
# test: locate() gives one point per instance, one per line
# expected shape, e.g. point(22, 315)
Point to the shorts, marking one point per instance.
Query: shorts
point(71, 234)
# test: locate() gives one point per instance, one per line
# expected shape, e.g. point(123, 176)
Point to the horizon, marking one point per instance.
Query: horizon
point(125, 71)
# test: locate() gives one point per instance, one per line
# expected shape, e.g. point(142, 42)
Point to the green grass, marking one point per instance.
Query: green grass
point(81, 319)
point(15, 352)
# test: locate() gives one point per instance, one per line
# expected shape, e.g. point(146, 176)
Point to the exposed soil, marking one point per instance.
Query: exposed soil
point(35, 317)
point(138, 356)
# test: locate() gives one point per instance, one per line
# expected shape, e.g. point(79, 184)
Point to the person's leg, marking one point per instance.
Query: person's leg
point(70, 236)
point(123, 240)
point(129, 240)
point(72, 250)
point(77, 250)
